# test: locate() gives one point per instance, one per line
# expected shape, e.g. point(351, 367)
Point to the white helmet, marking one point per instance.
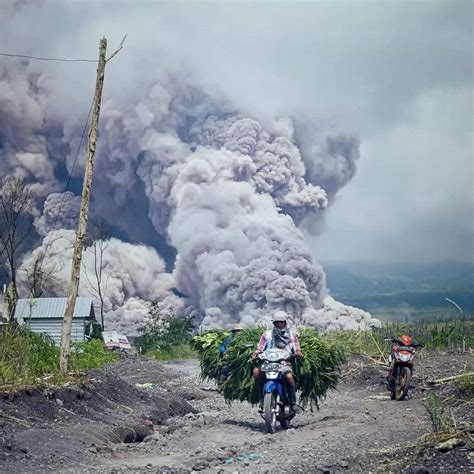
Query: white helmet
point(279, 316)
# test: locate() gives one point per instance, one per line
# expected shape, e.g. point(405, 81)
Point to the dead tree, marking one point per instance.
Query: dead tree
point(16, 223)
point(97, 245)
point(41, 277)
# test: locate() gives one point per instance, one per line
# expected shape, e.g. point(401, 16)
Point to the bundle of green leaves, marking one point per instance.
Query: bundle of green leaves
point(316, 373)
point(207, 345)
point(319, 370)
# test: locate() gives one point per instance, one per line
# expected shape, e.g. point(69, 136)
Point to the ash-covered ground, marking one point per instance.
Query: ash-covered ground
point(180, 424)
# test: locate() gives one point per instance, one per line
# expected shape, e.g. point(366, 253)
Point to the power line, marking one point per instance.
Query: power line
point(49, 59)
point(69, 177)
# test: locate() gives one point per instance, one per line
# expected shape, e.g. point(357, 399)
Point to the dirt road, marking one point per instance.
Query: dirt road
point(358, 429)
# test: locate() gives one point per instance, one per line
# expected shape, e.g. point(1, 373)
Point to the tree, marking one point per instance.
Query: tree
point(97, 245)
point(16, 223)
point(41, 277)
point(164, 329)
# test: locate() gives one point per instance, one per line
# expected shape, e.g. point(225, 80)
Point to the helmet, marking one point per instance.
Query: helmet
point(238, 327)
point(279, 316)
point(406, 340)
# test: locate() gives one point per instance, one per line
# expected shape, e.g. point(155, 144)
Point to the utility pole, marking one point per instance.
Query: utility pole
point(84, 211)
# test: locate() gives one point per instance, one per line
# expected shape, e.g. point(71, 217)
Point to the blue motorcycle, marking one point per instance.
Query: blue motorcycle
point(276, 404)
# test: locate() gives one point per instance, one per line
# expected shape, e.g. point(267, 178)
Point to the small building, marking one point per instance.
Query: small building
point(45, 315)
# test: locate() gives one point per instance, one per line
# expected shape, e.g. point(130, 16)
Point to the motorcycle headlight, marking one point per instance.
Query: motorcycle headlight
point(405, 357)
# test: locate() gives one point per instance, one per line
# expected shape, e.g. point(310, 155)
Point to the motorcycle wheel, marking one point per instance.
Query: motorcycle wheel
point(403, 383)
point(269, 406)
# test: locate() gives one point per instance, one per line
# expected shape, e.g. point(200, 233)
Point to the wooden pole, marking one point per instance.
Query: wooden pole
point(84, 212)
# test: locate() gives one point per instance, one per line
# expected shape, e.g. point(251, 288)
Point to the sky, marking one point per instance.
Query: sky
point(398, 74)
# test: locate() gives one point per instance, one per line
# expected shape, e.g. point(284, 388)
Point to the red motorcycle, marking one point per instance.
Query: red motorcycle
point(401, 361)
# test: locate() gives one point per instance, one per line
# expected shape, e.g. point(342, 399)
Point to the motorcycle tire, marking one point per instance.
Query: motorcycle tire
point(269, 406)
point(402, 387)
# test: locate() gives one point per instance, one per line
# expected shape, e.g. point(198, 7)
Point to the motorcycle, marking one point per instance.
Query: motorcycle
point(276, 403)
point(401, 360)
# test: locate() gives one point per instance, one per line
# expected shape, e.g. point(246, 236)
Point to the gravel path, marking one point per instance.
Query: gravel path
point(352, 423)
point(141, 415)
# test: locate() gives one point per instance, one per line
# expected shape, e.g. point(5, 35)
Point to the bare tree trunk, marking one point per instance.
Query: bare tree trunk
point(98, 244)
point(84, 211)
point(16, 222)
point(14, 293)
point(98, 275)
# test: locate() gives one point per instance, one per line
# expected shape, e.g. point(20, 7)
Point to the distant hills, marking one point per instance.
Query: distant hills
point(404, 290)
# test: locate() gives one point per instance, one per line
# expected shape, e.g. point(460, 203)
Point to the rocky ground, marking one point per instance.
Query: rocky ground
point(140, 415)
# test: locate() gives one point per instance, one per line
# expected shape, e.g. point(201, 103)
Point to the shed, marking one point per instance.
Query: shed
point(45, 315)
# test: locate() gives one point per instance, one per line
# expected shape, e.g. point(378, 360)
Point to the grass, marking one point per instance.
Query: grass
point(435, 410)
point(28, 358)
point(445, 427)
point(466, 385)
point(180, 351)
point(455, 335)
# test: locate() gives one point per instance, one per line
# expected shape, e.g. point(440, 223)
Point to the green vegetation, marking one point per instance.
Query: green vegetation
point(317, 373)
point(435, 410)
point(466, 385)
point(29, 358)
point(207, 346)
point(165, 338)
point(180, 351)
point(456, 335)
point(89, 355)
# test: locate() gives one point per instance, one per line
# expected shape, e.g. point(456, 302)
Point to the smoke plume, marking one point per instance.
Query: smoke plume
point(132, 276)
point(226, 192)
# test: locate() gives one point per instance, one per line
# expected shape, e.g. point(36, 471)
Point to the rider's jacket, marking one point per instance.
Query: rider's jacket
point(266, 342)
point(225, 344)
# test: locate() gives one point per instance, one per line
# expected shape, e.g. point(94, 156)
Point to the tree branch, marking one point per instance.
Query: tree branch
point(121, 47)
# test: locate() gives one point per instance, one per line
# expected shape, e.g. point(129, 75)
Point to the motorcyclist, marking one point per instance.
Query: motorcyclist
point(282, 338)
point(404, 341)
point(236, 328)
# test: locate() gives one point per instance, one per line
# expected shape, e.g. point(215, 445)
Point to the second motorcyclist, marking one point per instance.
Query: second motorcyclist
point(399, 342)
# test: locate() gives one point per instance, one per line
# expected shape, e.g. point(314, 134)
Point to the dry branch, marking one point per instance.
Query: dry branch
point(451, 378)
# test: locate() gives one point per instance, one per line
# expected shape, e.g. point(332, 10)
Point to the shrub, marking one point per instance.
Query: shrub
point(26, 357)
point(164, 334)
point(89, 355)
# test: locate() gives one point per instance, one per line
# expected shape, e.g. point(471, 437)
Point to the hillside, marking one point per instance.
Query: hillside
point(401, 291)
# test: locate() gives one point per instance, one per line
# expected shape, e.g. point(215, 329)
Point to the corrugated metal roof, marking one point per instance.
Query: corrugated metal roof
point(52, 308)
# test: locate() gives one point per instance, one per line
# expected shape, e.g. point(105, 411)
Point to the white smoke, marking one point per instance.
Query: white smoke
point(225, 191)
point(227, 195)
point(25, 149)
point(60, 211)
point(132, 276)
point(338, 316)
